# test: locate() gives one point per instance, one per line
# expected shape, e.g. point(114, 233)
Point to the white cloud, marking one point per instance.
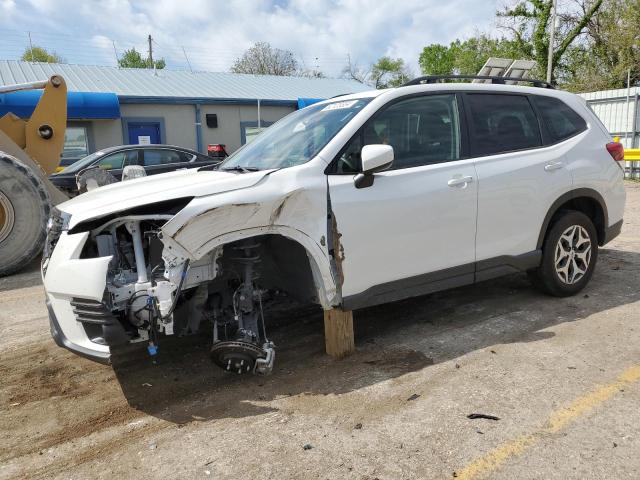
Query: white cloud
point(214, 33)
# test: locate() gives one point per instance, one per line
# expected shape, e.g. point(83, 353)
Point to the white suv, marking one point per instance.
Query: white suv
point(351, 202)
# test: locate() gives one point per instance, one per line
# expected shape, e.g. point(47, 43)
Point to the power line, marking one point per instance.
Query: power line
point(102, 50)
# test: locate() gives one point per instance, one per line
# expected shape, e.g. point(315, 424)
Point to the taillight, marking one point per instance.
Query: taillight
point(616, 150)
point(216, 147)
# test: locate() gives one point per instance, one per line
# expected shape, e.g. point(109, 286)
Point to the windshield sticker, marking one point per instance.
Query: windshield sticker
point(339, 105)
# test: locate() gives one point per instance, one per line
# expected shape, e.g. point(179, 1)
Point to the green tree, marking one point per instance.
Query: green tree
point(529, 23)
point(437, 59)
point(133, 59)
point(389, 72)
point(611, 49)
point(39, 54)
point(466, 57)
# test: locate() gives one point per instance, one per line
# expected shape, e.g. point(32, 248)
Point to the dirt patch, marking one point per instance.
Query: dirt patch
point(497, 347)
point(70, 397)
point(37, 373)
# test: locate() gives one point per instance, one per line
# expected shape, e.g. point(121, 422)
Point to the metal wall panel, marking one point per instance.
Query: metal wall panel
point(621, 117)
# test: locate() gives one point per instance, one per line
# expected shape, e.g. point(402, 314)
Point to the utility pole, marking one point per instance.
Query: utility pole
point(187, 59)
point(150, 53)
point(115, 53)
point(626, 120)
point(551, 35)
point(30, 46)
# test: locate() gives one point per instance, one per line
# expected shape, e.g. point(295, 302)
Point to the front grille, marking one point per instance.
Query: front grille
point(100, 325)
point(91, 311)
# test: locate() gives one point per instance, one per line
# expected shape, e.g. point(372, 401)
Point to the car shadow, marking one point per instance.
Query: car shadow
point(392, 340)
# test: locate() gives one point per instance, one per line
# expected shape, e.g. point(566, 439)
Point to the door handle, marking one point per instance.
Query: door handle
point(553, 166)
point(460, 181)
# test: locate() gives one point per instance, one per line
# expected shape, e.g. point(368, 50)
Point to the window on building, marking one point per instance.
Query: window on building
point(560, 121)
point(76, 143)
point(421, 130)
point(501, 123)
point(251, 132)
point(161, 157)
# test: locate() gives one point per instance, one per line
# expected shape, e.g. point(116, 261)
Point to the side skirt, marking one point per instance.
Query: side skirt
point(442, 280)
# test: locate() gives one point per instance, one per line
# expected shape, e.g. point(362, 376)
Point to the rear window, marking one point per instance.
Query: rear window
point(501, 123)
point(559, 120)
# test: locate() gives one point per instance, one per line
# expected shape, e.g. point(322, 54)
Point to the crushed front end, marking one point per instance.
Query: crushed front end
point(115, 280)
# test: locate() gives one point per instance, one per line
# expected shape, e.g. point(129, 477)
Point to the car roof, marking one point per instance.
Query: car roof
point(451, 86)
point(146, 147)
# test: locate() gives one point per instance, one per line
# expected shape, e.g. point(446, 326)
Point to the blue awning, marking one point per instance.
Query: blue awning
point(80, 105)
point(305, 102)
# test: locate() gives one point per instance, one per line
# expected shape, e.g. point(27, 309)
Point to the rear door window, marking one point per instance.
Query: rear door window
point(161, 157)
point(559, 120)
point(501, 123)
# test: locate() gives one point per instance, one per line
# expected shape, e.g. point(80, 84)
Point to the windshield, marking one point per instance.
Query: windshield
point(83, 162)
point(295, 139)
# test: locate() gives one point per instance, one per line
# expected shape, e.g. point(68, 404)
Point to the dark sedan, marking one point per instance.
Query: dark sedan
point(154, 158)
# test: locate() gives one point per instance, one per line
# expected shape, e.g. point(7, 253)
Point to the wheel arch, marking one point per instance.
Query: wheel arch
point(585, 200)
point(328, 294)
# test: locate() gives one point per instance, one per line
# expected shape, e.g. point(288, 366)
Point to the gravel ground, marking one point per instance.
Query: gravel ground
point(562, 375)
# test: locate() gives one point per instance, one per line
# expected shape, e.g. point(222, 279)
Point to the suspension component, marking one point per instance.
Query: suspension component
point(239, 344)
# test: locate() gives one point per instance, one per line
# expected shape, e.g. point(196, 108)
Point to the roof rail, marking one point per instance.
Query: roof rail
point(494, 80)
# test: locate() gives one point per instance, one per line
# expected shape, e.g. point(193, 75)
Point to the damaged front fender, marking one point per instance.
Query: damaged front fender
point(296, 213)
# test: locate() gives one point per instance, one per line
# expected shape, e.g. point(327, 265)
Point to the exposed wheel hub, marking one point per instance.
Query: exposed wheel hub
point(236, 356)
point(573, 254)
point(7, 216)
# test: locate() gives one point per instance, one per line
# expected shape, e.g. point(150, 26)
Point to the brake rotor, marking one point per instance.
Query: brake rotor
point(7, 216)
point(236, 356)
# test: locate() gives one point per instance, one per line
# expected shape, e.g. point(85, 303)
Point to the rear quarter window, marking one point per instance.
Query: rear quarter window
point(559, 120)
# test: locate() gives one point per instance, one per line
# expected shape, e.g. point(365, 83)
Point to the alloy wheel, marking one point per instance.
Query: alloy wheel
point(573, 254)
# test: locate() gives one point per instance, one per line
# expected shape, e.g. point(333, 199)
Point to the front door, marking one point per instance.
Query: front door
point(143, 133)
point(114, 163)
point(412, 231)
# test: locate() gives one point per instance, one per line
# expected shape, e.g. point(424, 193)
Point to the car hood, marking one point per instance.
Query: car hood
point(156, 188)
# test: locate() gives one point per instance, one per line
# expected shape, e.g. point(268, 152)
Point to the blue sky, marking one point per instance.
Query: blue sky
point(214, 32)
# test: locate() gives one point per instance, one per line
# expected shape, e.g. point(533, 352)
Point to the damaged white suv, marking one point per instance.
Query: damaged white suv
point(351, 202)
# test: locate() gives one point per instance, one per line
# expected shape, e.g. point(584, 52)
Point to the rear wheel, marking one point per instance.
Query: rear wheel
point(569, 255)
point(24, 210)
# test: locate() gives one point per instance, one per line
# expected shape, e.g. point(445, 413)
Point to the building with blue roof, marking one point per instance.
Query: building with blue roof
point(113, 106)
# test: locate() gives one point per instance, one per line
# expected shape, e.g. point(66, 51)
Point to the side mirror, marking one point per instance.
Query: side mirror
point(375, 158)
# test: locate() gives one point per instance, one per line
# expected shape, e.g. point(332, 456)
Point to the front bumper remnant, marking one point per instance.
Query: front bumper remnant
point(62, 341)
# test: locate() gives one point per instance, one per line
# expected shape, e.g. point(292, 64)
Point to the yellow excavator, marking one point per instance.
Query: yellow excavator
point(29, 152)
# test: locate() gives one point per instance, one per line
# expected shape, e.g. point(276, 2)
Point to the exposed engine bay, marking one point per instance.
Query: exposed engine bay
point(150, 294)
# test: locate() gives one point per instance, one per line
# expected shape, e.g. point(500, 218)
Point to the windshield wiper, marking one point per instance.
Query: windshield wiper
point(213, 166)
point(238, 168)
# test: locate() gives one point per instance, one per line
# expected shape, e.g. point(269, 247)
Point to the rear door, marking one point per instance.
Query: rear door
point(163, 160)
point(518, 180)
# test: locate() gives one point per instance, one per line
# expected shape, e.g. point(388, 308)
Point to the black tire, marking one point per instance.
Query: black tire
point(31, 206)
point(546, 277)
